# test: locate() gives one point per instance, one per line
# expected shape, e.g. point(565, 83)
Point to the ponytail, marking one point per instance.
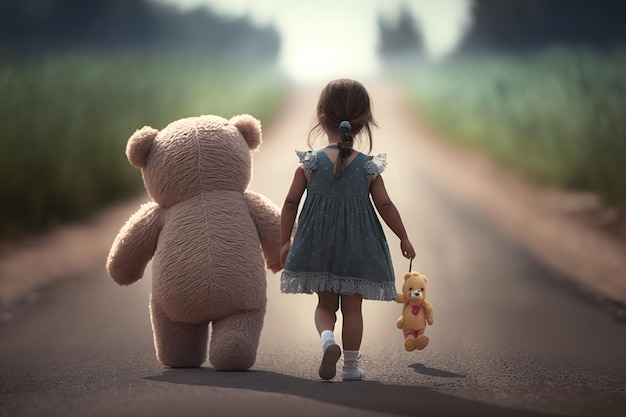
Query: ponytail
point(345, 144)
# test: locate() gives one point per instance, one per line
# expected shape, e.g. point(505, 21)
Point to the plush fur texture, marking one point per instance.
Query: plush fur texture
point(207, 237)
point(416, 311)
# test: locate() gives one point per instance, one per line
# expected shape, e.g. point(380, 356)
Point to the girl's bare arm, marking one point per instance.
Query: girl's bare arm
point(290, 210)
point(390, 215)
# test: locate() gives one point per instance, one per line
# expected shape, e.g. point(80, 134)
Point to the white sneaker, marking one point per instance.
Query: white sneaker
point(351, 371)
point(328, 368)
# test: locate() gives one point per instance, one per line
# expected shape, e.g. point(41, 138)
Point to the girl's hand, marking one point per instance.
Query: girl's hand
point(275, 268)
point(284, 251)
point(407, 249)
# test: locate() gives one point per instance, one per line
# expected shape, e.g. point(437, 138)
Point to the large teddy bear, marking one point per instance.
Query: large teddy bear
point(207, 237)
point(416, 312)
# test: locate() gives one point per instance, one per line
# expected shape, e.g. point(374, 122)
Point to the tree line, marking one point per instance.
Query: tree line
point(515, 26)
point(57, 25)
point(524, 25)
point(498, 25)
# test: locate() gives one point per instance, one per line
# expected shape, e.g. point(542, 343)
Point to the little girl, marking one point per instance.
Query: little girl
point(339, 250)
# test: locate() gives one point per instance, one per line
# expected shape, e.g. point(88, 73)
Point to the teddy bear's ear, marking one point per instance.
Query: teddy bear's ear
point(139, 145)
point(407, 275)
point(250, 128)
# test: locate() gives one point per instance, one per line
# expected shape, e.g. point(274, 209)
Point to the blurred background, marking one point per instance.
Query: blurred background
point(539, 86)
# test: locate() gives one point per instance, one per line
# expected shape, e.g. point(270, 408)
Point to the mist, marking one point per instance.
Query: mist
point(324, 38)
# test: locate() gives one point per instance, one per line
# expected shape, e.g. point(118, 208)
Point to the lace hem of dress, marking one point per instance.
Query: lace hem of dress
point(375, 165)
point(311, 282)
point(308, 160)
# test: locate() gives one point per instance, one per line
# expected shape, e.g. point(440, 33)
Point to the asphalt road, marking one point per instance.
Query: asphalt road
point(510, 338)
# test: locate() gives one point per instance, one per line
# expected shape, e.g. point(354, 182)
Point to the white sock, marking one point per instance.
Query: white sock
point(350, 355)
point(328, 339)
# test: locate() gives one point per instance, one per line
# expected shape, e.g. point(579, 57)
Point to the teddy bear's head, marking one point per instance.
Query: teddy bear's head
point(414, 287)
point(195, 155)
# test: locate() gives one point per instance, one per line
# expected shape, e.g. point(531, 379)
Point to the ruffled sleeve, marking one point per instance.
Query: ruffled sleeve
point(308, 159)
point(375, 165)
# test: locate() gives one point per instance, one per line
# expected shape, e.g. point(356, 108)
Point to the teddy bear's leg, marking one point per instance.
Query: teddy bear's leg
point(421, 341)
point(179, 345)
point(235, 339)
point(409, 340)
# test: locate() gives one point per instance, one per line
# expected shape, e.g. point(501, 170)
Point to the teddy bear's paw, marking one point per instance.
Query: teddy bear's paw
point(409, 344)
point(421, 342)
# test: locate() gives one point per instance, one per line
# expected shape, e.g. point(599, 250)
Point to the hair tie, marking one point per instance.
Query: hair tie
point(345, 128)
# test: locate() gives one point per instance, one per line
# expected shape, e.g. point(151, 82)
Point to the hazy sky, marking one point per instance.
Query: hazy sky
point(323, 38)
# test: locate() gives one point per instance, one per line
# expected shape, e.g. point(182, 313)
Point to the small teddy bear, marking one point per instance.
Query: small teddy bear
point(416, 311)
point(207, 236)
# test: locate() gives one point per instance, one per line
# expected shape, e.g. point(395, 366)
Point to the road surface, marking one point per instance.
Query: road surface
point(509, 338)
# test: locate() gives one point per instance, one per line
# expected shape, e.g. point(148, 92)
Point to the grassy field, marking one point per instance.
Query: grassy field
point(65, 121)
point(558, 116)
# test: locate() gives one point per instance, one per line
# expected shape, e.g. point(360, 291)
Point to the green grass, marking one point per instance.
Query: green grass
point(557, 116)
point(65, 121)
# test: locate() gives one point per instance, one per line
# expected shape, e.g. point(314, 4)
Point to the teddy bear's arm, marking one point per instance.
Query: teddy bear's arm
point(266, 217)
point(135, 244)
point(428, 312)
point(401, 298)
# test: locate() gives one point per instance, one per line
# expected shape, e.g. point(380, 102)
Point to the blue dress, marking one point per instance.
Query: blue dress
point(339, 245)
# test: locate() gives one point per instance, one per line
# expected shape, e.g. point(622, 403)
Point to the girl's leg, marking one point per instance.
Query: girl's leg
point(325, 317)
point(325, 312)
point(352, 321)
point(352, 335)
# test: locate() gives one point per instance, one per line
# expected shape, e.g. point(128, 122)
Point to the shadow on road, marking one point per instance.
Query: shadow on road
point(424, 370)
point(365, 395)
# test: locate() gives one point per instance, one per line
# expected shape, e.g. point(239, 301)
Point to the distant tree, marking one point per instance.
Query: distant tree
point(400, 37)
point(36, 25)
point(518, 25)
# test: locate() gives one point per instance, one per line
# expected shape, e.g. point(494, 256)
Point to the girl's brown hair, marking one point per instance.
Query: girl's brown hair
point(344, 100)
